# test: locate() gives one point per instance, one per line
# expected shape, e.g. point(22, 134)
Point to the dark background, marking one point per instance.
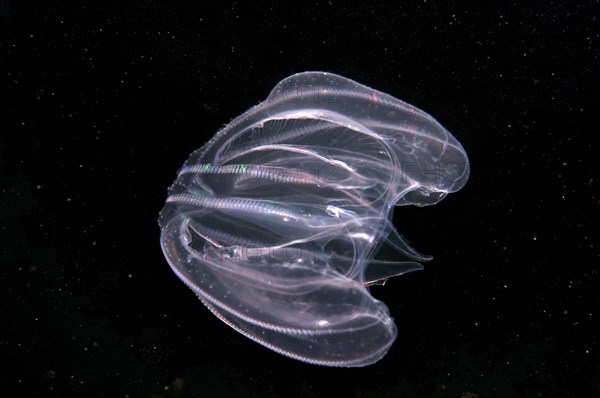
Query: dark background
point(105, 100)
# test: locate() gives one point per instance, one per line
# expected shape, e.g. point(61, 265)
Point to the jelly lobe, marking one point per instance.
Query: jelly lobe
point(275, 222)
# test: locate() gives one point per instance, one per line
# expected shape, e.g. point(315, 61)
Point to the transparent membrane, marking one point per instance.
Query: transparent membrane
point(275, 223)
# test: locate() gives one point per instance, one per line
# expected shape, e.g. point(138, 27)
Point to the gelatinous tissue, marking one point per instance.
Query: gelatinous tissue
point(276, 222)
